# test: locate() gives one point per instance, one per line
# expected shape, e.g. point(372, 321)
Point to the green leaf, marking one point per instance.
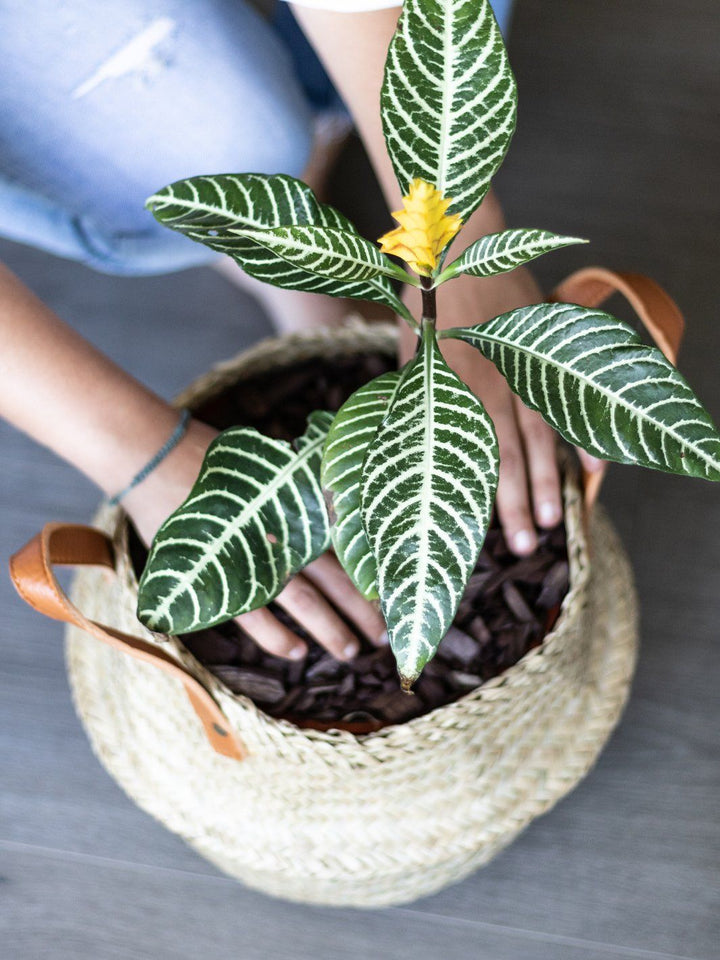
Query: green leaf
point(255, 517)
point(504, 251)
point(352, 431)
point(212, 209)
point(323, 251)
point(593, 380)
point(428, 487)
point(448, 99)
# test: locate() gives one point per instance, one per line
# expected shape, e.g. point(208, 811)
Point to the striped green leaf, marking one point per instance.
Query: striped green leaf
point(593, 380)
point(448, 98)
point(352, 431)
point(325, 252)
point(255, 517)
point(428, 487)
point(214, 210)
point(504, 251)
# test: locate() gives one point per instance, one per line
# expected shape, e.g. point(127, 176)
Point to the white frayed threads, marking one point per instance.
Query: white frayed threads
point(137, 56)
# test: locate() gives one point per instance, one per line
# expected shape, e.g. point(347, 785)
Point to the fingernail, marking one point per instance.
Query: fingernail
point(351, 651)
point(296, 653)
point(548, 514)
point(523, 542)
point(593, 463)
point(383, 640)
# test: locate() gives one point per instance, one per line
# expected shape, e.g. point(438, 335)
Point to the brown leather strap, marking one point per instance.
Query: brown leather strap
point(70, 545)
point(657, 310)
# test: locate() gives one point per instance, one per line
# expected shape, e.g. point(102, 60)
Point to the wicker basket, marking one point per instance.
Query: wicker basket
point(323, 817)
point(331, 817)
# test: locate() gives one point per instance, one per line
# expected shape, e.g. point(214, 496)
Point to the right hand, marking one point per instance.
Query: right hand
point(529, 490)
point(314, 598)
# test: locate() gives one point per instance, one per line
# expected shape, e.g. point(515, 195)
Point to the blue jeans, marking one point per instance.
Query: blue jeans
point(104, 103)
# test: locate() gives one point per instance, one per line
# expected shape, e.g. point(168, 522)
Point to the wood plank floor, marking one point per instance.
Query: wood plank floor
point(618, 140)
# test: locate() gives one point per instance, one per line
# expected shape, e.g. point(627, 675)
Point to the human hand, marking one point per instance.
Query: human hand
point(529, 491)
point(315, 599)
point(48, 373)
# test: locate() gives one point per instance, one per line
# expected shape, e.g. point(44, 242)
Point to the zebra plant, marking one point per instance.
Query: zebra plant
point(409, 465)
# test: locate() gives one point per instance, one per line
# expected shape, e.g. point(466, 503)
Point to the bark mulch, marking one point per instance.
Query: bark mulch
point(509, 605)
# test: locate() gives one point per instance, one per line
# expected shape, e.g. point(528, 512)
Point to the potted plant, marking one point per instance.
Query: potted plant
point(409, 465)
point(401, 482)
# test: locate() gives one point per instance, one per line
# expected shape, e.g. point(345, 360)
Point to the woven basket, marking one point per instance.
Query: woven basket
point(322, 817)
point(331, 817)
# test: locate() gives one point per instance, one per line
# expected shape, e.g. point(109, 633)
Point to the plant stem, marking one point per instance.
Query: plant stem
point(429, 302)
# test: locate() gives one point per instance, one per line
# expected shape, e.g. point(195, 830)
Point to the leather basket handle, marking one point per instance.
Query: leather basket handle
point(31, 569)
point(659, 313)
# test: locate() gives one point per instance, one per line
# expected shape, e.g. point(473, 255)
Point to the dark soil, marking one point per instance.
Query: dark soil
point(509, 605)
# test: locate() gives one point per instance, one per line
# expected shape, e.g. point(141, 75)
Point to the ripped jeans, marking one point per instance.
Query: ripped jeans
point(101, 104)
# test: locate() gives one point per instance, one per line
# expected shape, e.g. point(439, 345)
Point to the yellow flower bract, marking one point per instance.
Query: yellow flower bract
point(425, 228)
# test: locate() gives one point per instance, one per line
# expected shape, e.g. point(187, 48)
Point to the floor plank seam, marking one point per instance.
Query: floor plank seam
point(612, 949)
point(536, 936)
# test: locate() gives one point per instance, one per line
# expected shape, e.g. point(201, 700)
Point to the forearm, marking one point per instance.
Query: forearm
point(66, 395)
point(353, 47)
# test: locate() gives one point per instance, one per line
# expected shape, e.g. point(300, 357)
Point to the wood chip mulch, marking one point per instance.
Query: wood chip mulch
point(508, 607)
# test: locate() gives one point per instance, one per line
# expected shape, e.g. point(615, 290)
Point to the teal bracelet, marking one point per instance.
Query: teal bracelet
point(170, 444)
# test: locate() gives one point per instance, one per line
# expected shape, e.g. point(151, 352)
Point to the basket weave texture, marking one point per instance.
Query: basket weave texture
point(336, 819)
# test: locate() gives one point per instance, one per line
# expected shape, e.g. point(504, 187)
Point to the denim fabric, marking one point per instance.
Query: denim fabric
point(104, 103)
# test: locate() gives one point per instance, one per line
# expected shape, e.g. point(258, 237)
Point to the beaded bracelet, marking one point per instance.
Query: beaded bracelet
point(170, 444)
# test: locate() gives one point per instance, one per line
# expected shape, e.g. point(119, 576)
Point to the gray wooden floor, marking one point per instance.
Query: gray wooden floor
point(618, 140)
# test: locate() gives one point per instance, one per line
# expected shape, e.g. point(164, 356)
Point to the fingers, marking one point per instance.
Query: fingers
point(272, 635)
point(594, 471)
point(328, 575)
point(590, 463)
point(529, 490)
point(512, 501)
point(541, 458)
point(304, 598)
point(305, 604)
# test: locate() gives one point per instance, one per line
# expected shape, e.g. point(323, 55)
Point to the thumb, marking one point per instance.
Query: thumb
point(594, 470)
point(590, 463)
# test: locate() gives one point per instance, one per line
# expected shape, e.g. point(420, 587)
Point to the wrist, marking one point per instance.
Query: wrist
point(156, 460)
point(119, 441)
point(152, 501)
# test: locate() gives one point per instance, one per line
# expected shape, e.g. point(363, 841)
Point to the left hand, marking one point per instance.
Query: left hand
point(529, 491)
point(321, 598)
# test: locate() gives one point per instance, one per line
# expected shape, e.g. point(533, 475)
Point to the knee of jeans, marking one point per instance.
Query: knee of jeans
point(275, 137)
point(253, 117)
point(284, 146)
